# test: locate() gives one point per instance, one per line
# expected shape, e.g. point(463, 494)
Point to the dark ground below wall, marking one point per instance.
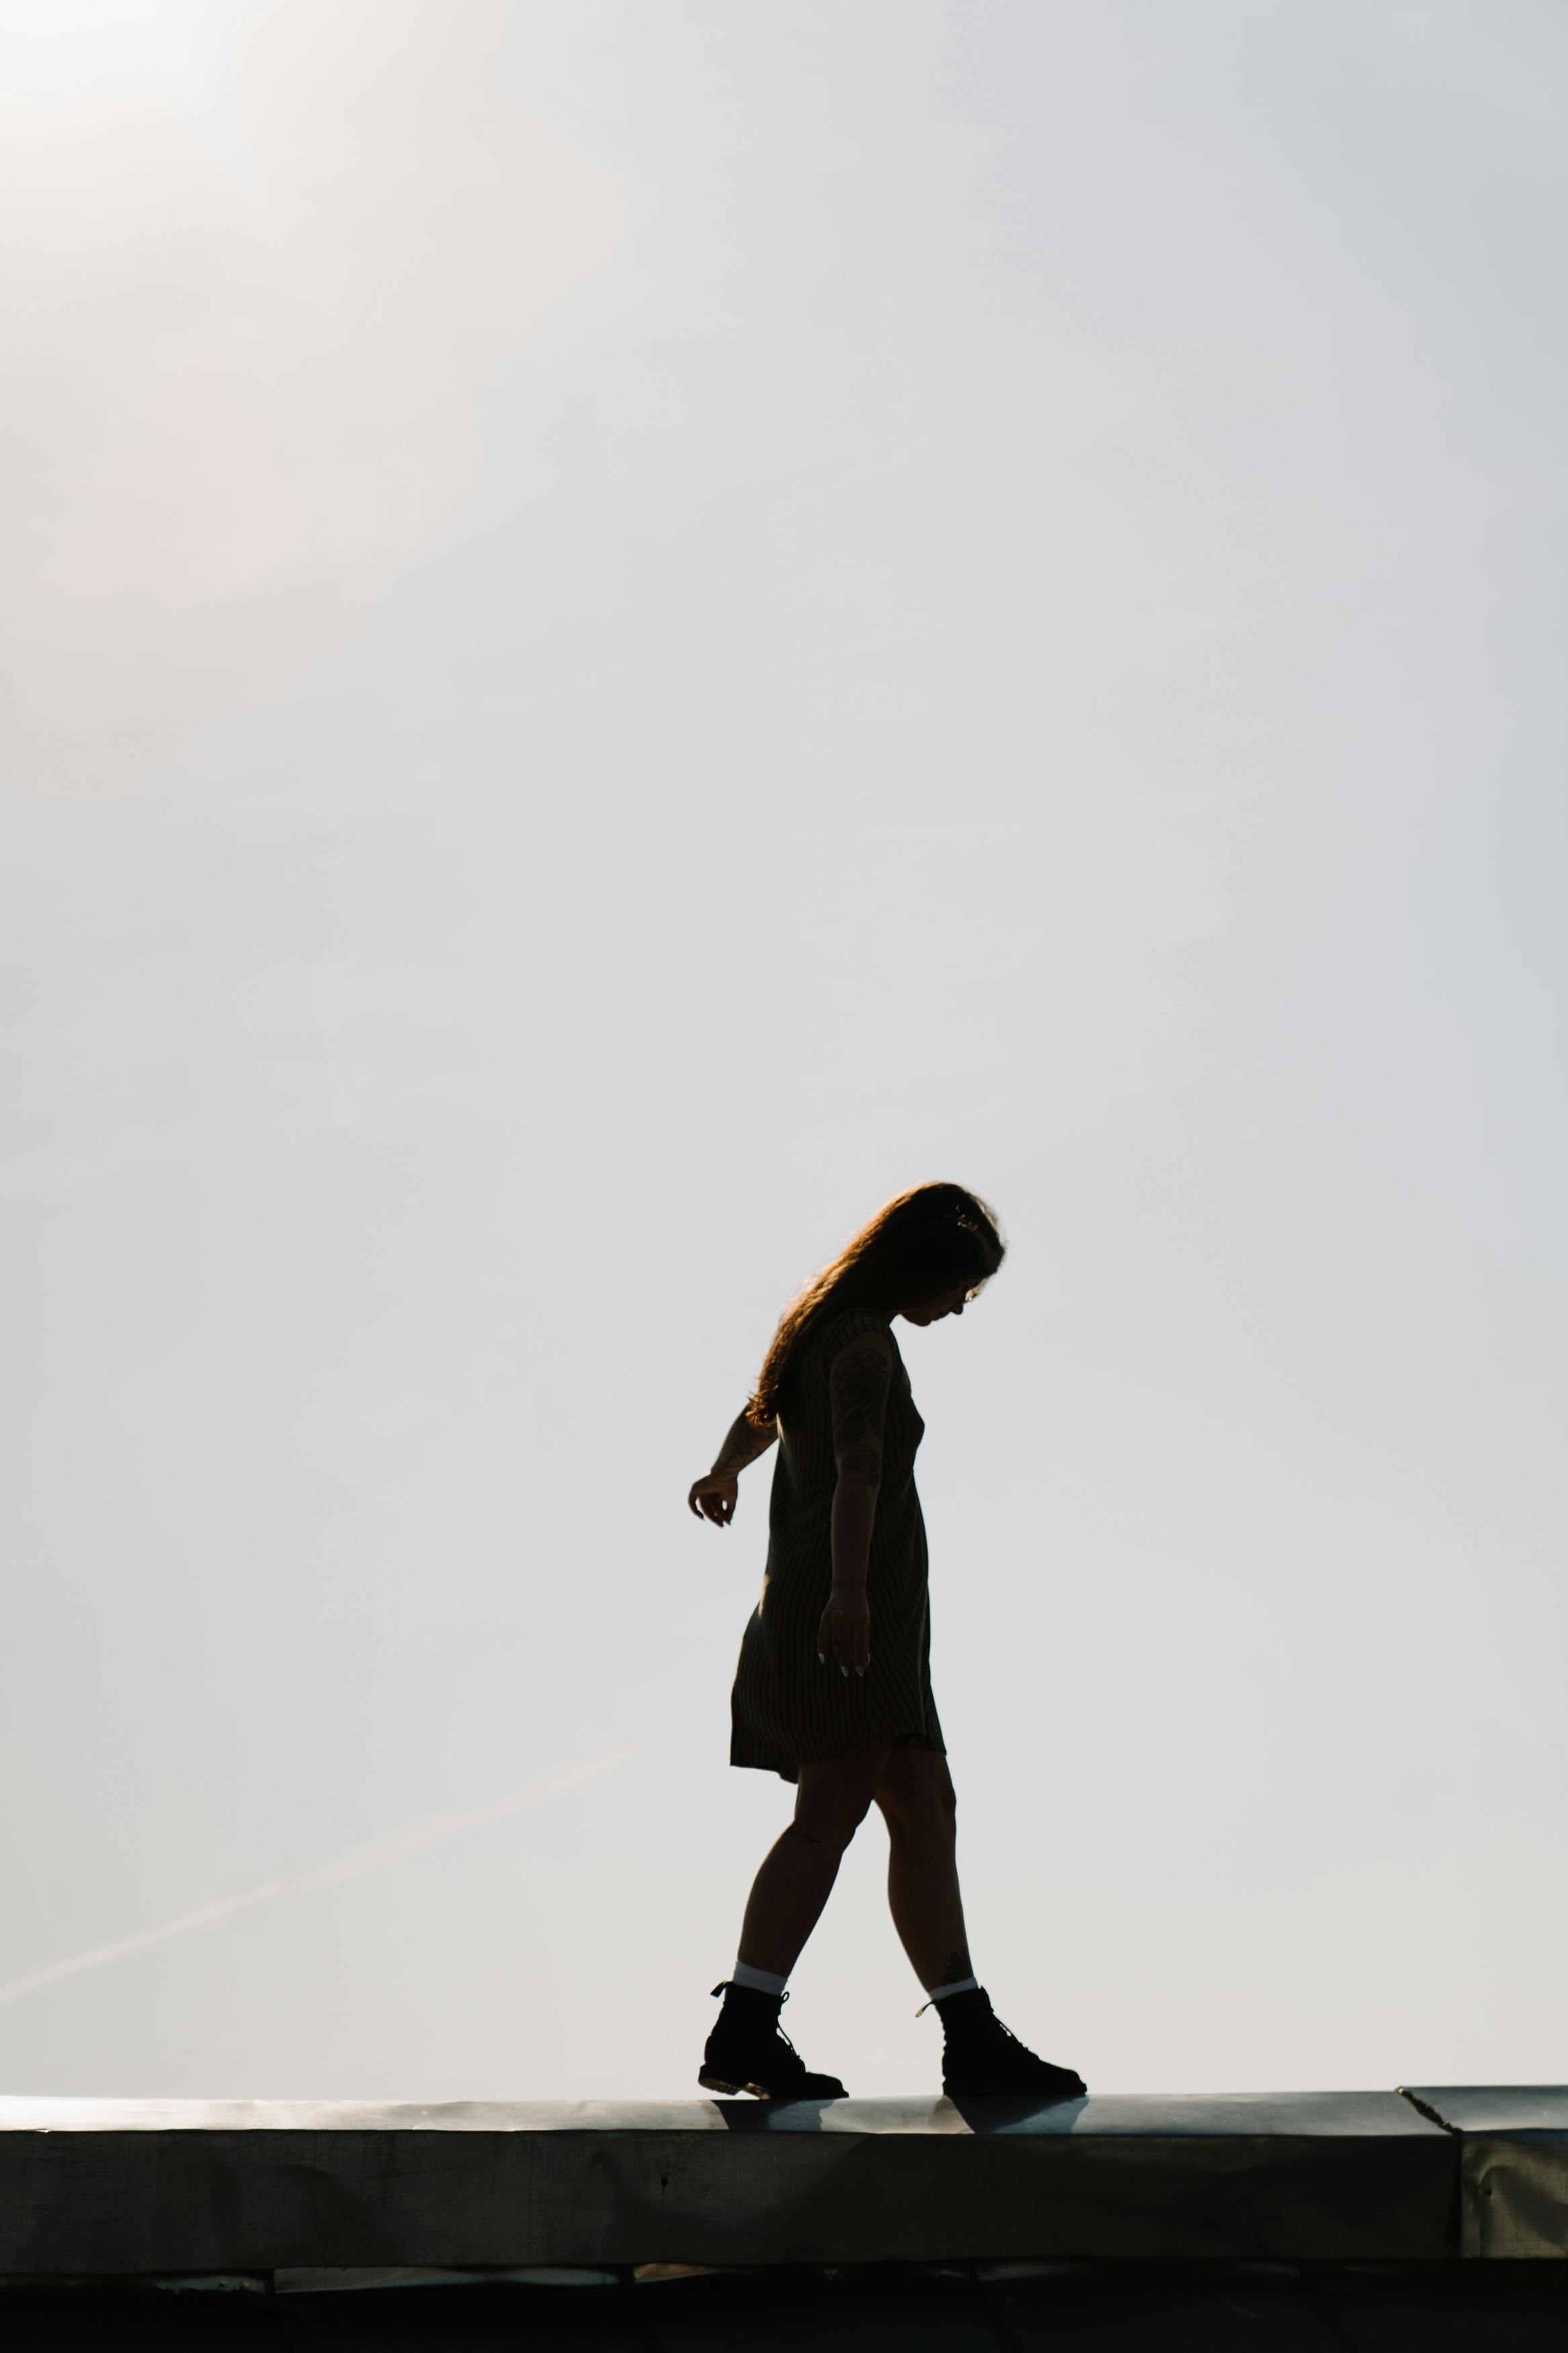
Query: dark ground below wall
point(1131, 2307)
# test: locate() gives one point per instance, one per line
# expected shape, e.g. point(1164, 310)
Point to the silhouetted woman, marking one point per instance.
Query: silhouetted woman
point(833, 1689)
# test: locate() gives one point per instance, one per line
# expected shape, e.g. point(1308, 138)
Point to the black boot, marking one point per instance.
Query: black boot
point(748, 2051)
point(983, 2055)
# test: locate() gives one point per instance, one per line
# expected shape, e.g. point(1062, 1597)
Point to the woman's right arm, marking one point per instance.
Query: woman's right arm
point(858, 1385)
point(712, 1497)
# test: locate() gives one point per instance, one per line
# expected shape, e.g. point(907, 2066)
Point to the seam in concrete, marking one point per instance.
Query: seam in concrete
point(1433, 2116)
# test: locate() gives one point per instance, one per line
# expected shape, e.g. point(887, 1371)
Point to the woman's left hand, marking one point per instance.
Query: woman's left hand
point(712, 1497)
point(845, 1632)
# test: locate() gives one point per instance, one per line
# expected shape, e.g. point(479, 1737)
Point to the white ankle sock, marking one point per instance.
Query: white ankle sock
point(759, 1980)
point(962, 1985)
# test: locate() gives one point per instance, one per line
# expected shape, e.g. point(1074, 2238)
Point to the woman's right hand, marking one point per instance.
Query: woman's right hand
point(845, 1629)
point(712, 1497)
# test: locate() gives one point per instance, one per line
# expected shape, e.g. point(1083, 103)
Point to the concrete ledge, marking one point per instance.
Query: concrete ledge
point(139, 2188)
point(1513, 2164)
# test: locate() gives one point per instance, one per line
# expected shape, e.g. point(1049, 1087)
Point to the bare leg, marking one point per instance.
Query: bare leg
point(798, 1872)
point(916, 1795)
point(979, 2054)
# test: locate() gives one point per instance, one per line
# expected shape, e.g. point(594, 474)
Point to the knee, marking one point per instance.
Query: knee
point(831, 1829)
point(924, 1816)
point(830, 1820)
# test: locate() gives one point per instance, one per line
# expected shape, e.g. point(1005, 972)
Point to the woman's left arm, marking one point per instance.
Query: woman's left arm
point(712, 1497)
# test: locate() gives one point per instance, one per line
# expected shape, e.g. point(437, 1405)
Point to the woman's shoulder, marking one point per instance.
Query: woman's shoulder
point(850, 1323)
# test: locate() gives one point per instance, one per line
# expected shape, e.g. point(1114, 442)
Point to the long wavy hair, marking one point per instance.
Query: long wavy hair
point(918, 1245)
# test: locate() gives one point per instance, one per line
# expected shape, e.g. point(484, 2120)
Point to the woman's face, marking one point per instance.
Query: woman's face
point(945, 1303)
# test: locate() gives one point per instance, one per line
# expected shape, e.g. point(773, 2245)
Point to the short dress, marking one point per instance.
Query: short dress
point(787, 1709)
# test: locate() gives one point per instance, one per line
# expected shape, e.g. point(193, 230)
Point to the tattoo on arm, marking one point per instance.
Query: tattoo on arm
point(857, 1392)
point(744, 1442)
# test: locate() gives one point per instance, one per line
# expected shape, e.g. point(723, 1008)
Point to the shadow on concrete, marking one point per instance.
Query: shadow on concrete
point(749, 2115)
point(993, 2115)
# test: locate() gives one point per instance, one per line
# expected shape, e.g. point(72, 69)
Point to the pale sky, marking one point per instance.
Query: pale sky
point(626, 629)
